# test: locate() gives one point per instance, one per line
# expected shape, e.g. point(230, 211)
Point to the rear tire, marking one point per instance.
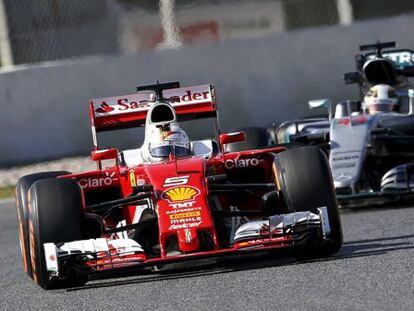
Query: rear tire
point(22, 189)
point(304, 178)
point(55, 207)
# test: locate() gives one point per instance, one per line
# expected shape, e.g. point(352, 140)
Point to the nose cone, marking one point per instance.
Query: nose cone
point(188, 240)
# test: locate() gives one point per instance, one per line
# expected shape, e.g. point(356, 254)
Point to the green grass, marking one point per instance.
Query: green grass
point(6, 192)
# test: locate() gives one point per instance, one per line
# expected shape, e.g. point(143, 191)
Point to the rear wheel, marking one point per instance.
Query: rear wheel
point(22, 188)
point(304, 178)
point(55, 207)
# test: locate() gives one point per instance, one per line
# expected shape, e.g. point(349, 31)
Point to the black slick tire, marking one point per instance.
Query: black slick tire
point(304, 178)
point(55, 215)
point(22, 188)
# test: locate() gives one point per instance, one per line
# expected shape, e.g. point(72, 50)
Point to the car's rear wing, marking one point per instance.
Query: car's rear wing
point(127, 111)
point(403, 58)
point(402, 61)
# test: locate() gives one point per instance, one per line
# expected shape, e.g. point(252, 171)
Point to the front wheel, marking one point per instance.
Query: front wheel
point(304, 178)
point(22, 188)
point(55, 215)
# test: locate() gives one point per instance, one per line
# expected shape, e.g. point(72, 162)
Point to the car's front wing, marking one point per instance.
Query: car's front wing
point(97, 256)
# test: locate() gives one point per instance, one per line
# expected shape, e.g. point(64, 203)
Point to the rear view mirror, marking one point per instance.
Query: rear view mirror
point(321, 103)
point(105, 154)
point(232, 138)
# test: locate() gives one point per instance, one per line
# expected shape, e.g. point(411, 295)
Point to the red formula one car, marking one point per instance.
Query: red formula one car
point(174, 199)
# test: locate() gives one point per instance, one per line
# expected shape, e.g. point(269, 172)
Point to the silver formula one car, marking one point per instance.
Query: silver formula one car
point(370, 142)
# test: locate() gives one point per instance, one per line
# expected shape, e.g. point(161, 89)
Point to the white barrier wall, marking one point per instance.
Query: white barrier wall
point(44, 108)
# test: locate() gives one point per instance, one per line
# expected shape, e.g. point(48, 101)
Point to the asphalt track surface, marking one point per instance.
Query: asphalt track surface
point(373, 271)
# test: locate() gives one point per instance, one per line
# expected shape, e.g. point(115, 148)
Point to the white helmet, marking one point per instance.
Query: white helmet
point(169, 139)
point(381, 98)
point(163, 135)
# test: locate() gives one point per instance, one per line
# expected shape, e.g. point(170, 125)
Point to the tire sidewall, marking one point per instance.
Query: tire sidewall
point(45, 227)
point(320, 194)
point(22, 188)
point(40, 275)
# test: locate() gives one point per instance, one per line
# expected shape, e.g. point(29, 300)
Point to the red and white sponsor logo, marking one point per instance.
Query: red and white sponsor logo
point(186, 220)
point(182, 205)
point(184, 226)
point(97, 182)
point(104, 108)
point(241, 163)
point(183, 209)
point(188, 97)
point(122, 105)
point(142, 101)
point(176, 181)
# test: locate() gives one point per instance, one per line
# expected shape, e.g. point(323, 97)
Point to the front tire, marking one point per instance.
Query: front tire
point(55, 207)
point(304, 178)
point(22, 189)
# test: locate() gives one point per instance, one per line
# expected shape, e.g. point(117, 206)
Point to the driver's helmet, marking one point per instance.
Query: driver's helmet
point(381, 98)
point(168, 139)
